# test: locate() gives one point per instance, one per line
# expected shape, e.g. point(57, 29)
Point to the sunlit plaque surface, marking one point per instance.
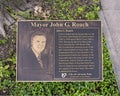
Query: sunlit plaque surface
point(59, 51)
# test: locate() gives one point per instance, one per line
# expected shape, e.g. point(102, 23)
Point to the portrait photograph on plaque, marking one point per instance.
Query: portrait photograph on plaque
point(59, 50)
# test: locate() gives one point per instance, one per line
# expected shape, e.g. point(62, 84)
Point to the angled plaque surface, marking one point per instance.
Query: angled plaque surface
point(59, 51)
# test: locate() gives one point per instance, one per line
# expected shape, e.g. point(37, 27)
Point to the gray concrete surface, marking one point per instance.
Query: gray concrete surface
point(110, 16)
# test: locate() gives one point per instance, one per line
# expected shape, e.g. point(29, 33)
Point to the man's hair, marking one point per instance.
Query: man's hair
point(37, 34)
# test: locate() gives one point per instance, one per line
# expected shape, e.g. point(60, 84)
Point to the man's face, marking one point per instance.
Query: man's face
point(38, 43)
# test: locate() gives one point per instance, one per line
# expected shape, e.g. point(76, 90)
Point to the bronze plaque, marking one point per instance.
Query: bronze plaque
point(59, 51)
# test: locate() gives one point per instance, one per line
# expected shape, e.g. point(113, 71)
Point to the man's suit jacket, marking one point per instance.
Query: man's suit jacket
point(30, 69)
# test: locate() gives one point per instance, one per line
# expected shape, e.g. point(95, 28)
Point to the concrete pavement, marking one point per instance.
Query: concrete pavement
point(110, 16)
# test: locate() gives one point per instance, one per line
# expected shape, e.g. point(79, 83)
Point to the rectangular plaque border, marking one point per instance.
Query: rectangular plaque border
point(55, 80)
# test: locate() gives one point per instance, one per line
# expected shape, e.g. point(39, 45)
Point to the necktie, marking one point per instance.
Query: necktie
point(40, 61)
